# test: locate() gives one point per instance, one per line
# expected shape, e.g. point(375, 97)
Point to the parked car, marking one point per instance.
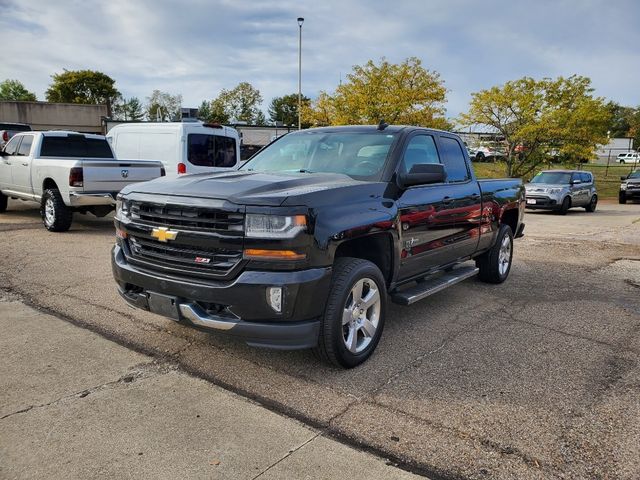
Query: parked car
point(629, 187)
point(183, 147)
point(561, 190)
point(628, 157)
point(67, 172)
point(300, 246)
point(485, 153)
point(8, 130)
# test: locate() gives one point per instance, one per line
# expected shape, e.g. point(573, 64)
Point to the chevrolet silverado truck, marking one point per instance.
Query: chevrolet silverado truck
point(67, 172)
point(304, 245)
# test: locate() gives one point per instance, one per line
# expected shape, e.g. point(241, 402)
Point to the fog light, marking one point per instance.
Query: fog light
point(274, 298)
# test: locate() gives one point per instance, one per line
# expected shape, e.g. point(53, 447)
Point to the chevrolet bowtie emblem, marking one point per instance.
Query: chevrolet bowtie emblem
point(163, 234)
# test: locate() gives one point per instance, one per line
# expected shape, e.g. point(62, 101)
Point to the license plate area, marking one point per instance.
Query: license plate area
point(164, 305)
point(531, 201)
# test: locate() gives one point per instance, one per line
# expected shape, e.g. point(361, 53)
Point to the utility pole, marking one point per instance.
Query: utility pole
point(300, 22)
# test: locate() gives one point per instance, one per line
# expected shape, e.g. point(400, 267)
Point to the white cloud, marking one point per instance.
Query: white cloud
point(198, 47)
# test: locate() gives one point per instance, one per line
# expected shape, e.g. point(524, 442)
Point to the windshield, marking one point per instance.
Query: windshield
point(361, 155)
point(554, 178)
point(634, 174)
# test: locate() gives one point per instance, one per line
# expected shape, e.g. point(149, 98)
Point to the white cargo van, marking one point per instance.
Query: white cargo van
point(183, 147)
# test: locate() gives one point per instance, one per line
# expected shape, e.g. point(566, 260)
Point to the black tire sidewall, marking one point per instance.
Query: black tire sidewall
point(332, 323)
point(4, 200)
point(62, 215)
point(622, 198)
point(566, 205)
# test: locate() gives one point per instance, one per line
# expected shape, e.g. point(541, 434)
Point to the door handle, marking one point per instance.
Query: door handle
point(447, 200)
point(26, 164)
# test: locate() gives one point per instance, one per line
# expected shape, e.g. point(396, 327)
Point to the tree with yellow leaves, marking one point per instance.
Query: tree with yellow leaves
point(402, 94)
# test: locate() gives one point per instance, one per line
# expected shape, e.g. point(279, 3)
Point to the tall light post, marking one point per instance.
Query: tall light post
point(300, 22)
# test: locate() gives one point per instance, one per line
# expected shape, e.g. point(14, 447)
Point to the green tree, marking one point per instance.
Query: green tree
point(204, 111)
point(625, 122)
point(240, 104)
point(542, 117)
point(285, 109)
point(128, 110)
point(83, 86)
point(163, 107)
point(16, 91)
point(403, 93)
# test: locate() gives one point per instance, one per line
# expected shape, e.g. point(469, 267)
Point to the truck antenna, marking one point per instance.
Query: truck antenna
point(382, 125)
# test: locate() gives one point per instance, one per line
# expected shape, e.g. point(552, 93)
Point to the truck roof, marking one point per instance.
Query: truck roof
point(369, 128)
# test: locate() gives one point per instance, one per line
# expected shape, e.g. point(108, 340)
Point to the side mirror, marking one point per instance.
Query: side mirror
point(575, 182)
point(423, 174)
point(623, 178)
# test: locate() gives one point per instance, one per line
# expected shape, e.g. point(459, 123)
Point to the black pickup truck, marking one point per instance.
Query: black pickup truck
point(304, 245)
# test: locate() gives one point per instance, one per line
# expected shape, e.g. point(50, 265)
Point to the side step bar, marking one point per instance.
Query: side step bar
point(434, 285)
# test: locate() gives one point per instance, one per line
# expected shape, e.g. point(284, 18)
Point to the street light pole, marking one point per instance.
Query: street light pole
point(300, 22)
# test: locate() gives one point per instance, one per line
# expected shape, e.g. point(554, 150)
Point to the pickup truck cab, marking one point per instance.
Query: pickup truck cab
point(301, 246)
point(182, 147)
point(67, 172)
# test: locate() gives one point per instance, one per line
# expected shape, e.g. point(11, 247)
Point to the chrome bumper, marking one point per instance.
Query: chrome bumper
point(77, 199)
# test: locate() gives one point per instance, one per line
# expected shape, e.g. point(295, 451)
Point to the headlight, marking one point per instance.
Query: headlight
point(122, 207)
point(555, 190)
point(623, 186)
point(274, 226)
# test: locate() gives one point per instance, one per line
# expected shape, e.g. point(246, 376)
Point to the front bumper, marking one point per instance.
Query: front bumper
point(78, 199)
point(238, 307)
point(631, 192)
point(542, 202)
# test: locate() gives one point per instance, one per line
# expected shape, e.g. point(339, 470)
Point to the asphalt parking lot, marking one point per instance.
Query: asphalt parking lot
point(535, 378)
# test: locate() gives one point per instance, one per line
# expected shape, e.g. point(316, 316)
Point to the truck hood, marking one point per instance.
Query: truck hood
point(248, 188)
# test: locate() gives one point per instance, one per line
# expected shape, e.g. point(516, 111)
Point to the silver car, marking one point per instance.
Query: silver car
point(561, 190)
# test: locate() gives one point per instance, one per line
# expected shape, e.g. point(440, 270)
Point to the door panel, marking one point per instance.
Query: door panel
point(21, 166)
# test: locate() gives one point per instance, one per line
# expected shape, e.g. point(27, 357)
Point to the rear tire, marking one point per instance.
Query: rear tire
point(622, 198)
point(566, 205)
point(354, 314)
point(479, 157)
point(3, 202)
point(495, 264)
point(593, 203)
point(56, 216)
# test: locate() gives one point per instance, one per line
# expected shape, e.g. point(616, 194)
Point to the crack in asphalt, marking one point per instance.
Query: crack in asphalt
point(291, 452)
point(139, 372)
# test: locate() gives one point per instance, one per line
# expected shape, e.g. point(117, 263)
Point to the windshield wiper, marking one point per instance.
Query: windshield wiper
point(304, 170)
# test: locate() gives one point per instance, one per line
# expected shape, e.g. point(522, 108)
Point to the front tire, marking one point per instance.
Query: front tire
point(622, 198)
point(566, 205)
point(495, 264)
point(354, 315)
point(56, 216)
point(593, 203)
point(3, 202)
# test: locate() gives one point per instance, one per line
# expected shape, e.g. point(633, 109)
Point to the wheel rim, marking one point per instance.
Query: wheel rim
point(361, 315)
point(504, 257)
point(49, 212)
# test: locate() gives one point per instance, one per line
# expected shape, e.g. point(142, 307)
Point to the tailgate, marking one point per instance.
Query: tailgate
point(110, 175)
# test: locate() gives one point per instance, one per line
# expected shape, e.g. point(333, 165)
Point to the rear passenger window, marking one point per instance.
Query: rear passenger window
point(75, 146)
point(25, 146)
point(453, 159)
point(211, 150)
point(585, 177)
point(421, 149)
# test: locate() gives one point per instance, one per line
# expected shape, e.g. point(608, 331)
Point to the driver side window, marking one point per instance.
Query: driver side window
point(421, 149)
point(12, 146)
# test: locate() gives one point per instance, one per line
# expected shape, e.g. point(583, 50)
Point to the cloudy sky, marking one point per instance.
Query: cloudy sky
point(198, 47)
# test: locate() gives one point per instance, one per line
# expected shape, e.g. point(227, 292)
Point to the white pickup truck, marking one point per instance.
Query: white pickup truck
point(67, 172)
